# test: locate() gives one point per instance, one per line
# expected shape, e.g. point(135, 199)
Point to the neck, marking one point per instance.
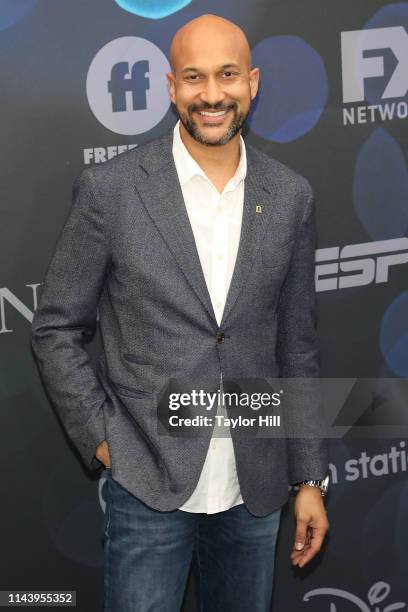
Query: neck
point(214, 160)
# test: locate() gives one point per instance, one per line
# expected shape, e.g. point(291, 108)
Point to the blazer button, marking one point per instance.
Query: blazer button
point(220, 337)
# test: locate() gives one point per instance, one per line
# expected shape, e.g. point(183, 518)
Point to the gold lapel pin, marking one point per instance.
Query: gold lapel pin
point(258, 208)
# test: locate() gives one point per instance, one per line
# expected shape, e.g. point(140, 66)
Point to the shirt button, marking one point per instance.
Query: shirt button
point(218, 304)
point(220, 257)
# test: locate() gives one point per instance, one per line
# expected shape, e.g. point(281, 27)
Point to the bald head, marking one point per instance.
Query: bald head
point(209, 34)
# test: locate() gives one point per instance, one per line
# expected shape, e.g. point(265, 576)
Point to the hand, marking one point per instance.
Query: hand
point(102, 453)
point(311, 525)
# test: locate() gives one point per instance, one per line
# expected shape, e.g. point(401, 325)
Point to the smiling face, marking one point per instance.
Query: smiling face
point(211, 83)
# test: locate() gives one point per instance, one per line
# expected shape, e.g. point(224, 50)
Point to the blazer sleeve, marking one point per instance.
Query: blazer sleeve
point(66, 318)
point(298, 355)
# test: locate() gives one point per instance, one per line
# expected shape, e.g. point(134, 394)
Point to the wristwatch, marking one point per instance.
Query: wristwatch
point(323, 485)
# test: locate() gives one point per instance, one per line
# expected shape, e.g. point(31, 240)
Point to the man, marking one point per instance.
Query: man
point(199, 252)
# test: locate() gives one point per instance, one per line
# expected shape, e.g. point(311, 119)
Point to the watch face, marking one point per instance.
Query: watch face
point(325, 484)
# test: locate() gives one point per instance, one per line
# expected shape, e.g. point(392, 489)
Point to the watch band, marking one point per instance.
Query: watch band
point(323, 484)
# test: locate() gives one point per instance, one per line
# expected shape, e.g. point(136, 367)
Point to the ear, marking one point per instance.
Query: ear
point(254, 75)
point(171, 85)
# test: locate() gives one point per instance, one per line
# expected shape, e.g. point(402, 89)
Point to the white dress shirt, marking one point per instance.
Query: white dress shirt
point(215, 220)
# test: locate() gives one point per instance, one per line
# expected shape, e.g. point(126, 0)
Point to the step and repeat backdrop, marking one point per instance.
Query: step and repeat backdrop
point(83, 81)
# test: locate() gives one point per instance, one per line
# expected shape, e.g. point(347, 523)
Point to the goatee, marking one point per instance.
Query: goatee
point(194, 131)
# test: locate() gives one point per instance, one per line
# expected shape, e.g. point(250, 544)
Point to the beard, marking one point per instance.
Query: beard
point(192, 128)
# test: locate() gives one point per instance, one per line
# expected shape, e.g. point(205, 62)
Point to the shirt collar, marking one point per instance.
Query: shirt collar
point(187, 167)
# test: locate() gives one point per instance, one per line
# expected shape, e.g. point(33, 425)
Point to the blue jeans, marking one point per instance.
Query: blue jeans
point(148, 554)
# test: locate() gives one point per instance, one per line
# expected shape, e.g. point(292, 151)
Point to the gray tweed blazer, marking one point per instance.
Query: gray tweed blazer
point(127, 255)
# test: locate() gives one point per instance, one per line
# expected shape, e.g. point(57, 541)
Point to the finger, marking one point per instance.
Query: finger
point(297, 555)
point(300, 535)
point(313, 548)
point(313, 544)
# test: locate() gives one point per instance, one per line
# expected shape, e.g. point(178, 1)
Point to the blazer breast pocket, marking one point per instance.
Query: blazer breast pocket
point(277, 254)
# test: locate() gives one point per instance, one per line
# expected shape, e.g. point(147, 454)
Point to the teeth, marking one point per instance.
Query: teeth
point(217, 114)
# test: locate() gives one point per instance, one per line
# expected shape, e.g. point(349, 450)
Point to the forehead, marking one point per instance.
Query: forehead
point(208, 53)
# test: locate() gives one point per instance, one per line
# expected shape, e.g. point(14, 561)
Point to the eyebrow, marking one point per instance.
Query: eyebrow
point(223, 67)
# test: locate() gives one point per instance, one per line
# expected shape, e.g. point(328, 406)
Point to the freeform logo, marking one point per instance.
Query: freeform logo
point(126, 85)
point(359, 64)
point(370, 261)
point(99, 155)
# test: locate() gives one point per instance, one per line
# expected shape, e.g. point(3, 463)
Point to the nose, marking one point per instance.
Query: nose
point(212, 92)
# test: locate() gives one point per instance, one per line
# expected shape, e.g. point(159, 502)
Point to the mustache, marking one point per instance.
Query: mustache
point(211, 107)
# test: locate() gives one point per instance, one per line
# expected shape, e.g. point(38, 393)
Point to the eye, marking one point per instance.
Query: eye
point(229, 75)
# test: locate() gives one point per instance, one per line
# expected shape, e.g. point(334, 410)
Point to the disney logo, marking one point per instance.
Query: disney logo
point(376, 594)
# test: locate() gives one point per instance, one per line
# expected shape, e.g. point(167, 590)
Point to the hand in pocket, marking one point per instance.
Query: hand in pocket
point(102, 453)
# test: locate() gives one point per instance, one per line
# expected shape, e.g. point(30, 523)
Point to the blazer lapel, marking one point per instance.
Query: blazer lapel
point(257, 210)
point(161, 194)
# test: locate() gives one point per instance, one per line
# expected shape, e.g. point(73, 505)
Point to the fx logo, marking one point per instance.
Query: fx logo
point(126, 85)
point(357, 65)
